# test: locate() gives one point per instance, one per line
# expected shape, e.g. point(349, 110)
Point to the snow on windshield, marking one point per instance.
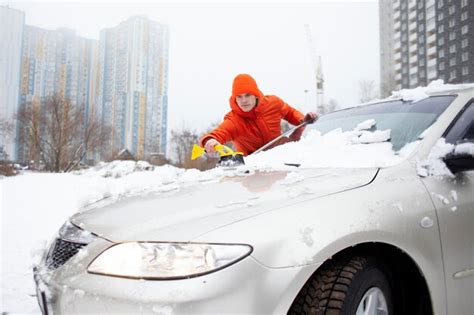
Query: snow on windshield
point(356, 148)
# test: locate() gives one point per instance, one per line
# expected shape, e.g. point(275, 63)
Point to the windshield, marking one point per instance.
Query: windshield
point(406, 120)
point(376, 135)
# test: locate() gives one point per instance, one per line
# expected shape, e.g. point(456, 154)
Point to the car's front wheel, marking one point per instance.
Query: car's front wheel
point(356, 285)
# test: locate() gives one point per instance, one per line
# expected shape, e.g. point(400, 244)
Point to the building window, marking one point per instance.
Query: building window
point(440, 3)
point(452, 75)
point(464, 16)
point(440, 16)
point(430, 11)
point(451, 9)
point(463, 3)
point(464, 29)
point(464, 43)
point(441, 65)
point(452, 62)
point(452, 22)
point(441, 41)
point(452, 49)
point(465, 70)
point(452, 36)
point(441, 29)
point(441, 53)
point(464, 56)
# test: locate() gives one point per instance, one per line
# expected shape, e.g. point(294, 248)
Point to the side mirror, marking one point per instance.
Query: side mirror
point(459, 162)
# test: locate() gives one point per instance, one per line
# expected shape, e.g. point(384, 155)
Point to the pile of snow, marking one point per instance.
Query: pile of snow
point(355, 148)
point(117, 169)
point(434, 164)
point(434, 87)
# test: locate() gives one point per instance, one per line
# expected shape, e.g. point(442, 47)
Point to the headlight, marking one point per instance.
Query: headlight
point(166, 260)
point(70, 232)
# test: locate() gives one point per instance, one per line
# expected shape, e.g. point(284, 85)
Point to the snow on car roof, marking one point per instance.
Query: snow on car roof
point(434, 88)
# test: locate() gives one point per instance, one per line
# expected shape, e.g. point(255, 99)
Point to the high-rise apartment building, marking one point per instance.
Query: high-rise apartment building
point(12, 23)
point(133, 86)
point(425, 40)
point(56, 62)
point(123, 79)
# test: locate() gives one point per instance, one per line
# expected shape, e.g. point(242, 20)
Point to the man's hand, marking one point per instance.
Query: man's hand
point(210, 144)
point(310, 117)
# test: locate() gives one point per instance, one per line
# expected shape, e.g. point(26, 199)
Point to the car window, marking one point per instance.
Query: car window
point(406, 119)
point(463, 128)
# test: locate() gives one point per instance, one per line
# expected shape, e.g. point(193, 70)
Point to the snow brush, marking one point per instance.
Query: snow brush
point(286, 133)
point(228, 157)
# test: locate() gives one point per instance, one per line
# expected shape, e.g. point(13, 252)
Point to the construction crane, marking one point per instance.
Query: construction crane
point(318, 72)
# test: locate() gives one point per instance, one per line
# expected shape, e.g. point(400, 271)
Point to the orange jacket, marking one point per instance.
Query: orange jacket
point(249, 131)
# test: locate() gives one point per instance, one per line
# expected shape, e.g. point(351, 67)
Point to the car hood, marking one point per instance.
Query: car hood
point(195, 209)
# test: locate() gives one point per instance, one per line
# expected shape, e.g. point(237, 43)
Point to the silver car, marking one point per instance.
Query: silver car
point(386, 240)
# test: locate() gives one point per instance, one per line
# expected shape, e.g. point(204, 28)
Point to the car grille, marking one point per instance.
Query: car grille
point(61, 252)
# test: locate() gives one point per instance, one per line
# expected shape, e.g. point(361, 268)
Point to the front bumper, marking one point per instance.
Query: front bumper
point(246, 287)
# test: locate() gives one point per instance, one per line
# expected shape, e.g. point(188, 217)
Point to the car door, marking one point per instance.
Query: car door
point(453, 198)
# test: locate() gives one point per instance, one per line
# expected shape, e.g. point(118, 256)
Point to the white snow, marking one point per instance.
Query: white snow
point(373, 137)
point(365, 125)
point(334, 149)
point(434, 164)
point(434, 87)
point(464, 148)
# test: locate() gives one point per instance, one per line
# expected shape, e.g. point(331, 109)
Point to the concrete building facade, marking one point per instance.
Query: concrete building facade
point(133, 86)
point(425, 40)
point(12, 23)
point(55, 61)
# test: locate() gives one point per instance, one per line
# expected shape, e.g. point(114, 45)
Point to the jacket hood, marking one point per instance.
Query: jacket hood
point(194, 210)
point(245, 83)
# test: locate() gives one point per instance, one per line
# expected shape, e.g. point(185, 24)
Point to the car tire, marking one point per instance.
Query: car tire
point(347, 286)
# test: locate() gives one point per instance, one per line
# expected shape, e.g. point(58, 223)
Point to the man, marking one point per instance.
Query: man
point(254, 119)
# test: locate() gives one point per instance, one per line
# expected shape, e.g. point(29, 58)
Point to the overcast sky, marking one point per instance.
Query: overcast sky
point(211, 42)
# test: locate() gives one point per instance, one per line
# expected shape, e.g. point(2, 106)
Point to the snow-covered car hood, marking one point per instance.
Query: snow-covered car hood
point(191, 211)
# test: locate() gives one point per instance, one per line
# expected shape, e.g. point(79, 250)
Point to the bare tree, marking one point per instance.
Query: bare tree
point(6, 131)
point(182, 143)
point(6, 128)
point(367, 90)
point(59, 134)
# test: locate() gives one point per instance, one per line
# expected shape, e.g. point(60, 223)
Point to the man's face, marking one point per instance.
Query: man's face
point(246, 101)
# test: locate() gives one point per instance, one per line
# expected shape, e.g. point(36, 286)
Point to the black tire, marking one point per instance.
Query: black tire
point(339, 286)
